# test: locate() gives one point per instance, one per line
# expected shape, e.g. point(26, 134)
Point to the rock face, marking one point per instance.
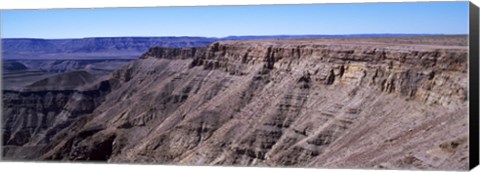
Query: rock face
point(339, 103)
point(33, 116)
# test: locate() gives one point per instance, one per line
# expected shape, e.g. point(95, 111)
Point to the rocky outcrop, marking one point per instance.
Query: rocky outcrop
point(356, 103)
point(174, 53)
point(31, 117)
point(410, 71)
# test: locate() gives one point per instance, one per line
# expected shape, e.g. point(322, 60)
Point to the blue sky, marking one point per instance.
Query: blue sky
point(220, 21)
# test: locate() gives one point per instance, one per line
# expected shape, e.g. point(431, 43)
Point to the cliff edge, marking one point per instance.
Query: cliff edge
point(337, 103)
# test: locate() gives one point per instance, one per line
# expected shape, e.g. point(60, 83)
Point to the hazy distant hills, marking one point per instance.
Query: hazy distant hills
point(127, 47)
point(322, 36)
point(92, 48)
point(27, 60)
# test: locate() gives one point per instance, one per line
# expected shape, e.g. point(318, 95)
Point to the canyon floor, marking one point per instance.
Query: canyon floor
point(396, 103)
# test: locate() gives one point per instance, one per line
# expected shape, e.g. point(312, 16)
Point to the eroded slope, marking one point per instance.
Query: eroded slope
point(317, 103)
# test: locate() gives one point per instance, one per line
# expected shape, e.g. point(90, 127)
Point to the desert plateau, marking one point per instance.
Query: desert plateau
point(379, 102)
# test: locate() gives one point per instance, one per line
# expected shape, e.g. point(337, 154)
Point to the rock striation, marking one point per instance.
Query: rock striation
point(356, 103)
point(32, 116)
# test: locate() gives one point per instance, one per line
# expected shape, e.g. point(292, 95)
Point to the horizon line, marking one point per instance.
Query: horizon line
point(226, 37)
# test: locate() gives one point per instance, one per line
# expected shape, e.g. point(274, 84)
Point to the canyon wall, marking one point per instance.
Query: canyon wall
point(356, 103)
point(33, 115)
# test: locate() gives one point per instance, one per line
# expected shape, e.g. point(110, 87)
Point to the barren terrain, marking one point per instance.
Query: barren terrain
point(337, 103)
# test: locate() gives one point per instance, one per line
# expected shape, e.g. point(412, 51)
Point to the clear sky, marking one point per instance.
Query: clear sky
point(220, 21)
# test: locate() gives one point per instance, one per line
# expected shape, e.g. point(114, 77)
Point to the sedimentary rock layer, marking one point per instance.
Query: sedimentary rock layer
point(356, 103)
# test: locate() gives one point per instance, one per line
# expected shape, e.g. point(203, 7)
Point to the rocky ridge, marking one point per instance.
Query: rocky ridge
point(357, 103)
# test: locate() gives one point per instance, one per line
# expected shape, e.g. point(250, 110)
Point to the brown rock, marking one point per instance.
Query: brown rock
point(350, 103)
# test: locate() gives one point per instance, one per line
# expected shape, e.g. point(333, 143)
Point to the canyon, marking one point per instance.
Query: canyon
point(388, 102)
point(27, 60)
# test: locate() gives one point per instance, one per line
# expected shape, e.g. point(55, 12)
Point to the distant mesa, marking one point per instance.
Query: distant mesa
point(92, 48)
point(131, 47)
point(13, 66)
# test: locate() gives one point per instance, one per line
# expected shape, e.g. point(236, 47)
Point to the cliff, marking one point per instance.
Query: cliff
point(357, 103)
point(32, 116)
point(418, 71)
